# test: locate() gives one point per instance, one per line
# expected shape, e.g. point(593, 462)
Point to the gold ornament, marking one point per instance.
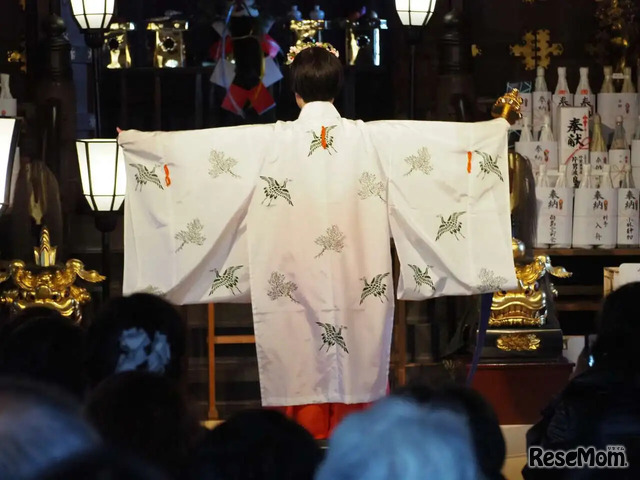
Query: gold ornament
point(536, 49)
point(527, 305)
point(307, 31)
point(508, 107)
point(48, 285)
point(518, 342)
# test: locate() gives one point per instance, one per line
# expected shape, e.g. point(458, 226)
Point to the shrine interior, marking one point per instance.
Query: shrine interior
point(160, 387)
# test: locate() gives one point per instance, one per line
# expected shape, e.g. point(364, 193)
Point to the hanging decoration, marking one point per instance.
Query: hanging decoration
point(245, 59)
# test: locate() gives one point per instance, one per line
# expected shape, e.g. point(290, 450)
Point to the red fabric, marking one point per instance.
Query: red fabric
point(321, 419)
point(269, 46)
point(259, 98)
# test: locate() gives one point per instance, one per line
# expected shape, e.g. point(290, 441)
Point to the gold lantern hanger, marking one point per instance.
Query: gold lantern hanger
point(47, 285)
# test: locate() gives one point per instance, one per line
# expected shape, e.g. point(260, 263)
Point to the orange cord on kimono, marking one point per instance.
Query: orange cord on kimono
point(323, 137)
point(167, 178)
point(469, 155)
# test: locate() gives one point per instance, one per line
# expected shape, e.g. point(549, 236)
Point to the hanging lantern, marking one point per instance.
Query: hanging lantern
point(102, 172)
point(415, 13)
point(93, 14)
point(8, 143)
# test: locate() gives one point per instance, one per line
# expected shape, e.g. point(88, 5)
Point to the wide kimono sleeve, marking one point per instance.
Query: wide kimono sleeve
point(448, 204)
point(185, 211)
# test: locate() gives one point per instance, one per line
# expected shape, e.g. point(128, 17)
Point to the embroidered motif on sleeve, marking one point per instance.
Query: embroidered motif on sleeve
point(281, 288)
point(450, 225)
point(332, 336)
point(228, 279)
point(145, 175)
point(221, 164)
point(332, 240)
point(489, 281)
point(324, 140)
point(376, 288)
point(422, 278)
point(370, 186)
point(275, 189)
point(421, 162)
point(489, 166)
point(192, 234)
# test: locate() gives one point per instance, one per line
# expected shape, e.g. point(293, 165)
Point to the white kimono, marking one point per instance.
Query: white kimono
point(296, 218)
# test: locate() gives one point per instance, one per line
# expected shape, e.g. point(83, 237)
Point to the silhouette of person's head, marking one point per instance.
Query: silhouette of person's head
point(39, 427)
point(258, 445)
point(618, 330)
point(145, 415)
point(42, 345)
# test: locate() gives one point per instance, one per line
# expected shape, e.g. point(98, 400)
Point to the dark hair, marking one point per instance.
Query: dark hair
point(103, 464)
point(41, 344)
point(142, 311)
point(316, 75)
point(257, 445)
point(618, 330)
point(39, 427)
point(145, 415)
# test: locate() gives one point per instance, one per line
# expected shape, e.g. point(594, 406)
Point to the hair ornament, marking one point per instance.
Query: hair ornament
point(138, 349)
point(297, 48)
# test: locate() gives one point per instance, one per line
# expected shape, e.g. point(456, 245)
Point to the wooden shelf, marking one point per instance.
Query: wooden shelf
point(577, 305)
point(588, 252)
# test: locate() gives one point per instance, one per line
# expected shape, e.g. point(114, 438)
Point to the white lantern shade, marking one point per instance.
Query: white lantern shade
point(415, 13)
point(8, 143)
point(93, 14)
point(102, 172)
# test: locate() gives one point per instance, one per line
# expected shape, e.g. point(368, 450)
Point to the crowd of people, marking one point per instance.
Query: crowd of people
point(108, 402)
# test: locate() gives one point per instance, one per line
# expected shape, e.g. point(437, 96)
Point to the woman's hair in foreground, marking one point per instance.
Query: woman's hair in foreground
point(399, 439)
point(145, 415)
point(619, 329)
point(39, 427)
point(42, 345)
point(138, 332)
point(316, 75)
point(257, 445)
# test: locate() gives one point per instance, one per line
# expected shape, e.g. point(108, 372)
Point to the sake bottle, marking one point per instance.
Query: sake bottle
point(584, 96)
point(627, 83)
point(619, 153)
point(607, 183)
point(562, 88)
point(635, 154)
point(8, 104)
point(607, 83)
point(582, 221)
point(316, 13)
point(525, 133)
point(541, 101)
point(598, 153)
point(294, 13)
point(546, 134)
point(561, 182)
point(562, 97)
point(541, 180)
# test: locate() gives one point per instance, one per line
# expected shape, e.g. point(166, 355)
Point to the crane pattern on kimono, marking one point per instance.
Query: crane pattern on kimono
point(489, 166)
point(228, 279)
point(275, 189)
point(145, 176)
point(422, 278)
point(332, 336)
point(450, 225)
point(374, 288)
point(324, 140)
